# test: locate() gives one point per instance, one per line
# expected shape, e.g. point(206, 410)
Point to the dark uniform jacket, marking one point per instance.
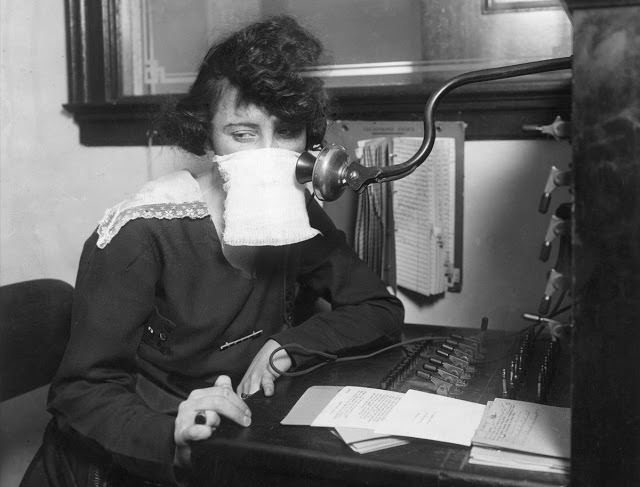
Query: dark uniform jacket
point(156, 302)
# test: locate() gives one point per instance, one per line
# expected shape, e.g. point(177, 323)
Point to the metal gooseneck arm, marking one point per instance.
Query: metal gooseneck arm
point(330, 171)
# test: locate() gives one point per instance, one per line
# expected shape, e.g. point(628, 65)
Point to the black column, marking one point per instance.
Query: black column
point(606, 244)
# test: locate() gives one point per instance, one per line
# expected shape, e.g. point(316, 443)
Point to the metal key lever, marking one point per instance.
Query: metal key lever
point(559, 278)
point(560, 224)
point(473, 353)
point(447, 376)
point(558, 129)
point(450, 389)
point(467, 350)
point(556, 282)
point(470, 341)
point(449, 367)
point(457, 352)
point(457, 361)
point(555, 179)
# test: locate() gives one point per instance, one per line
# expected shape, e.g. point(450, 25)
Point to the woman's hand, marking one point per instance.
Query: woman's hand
point(209, 405)
point(260, 374)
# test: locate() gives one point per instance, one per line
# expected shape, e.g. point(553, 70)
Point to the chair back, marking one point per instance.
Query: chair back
point(35, 317)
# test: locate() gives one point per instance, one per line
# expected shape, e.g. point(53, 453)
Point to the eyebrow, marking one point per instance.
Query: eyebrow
point(242, 124)
point(278, 123)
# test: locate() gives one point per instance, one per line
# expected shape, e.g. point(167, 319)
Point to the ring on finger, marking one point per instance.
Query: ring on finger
point(200, 417)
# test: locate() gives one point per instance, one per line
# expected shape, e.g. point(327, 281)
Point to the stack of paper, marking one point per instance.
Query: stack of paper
point(352, 412)
point(375, 418)
point(362, 440)
point(433, 417)
point(505, 433)
point(512, 459)
point(524, 435)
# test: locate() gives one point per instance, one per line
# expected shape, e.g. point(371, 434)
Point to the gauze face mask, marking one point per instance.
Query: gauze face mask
point(264, 204)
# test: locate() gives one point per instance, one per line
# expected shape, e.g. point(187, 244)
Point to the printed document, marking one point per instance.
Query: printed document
point(433, 417)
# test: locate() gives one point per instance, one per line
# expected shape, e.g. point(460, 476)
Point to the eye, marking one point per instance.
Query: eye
point(243, 135)
point(291, 132)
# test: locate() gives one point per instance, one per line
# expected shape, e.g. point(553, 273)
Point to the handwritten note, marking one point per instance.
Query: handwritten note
point(423, 415)
point(525, 426)
point(357, 407)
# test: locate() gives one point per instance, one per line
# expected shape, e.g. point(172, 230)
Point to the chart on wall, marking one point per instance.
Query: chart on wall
point(409, 231)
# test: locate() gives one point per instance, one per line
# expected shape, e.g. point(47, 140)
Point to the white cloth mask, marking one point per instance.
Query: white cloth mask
point(264, 205)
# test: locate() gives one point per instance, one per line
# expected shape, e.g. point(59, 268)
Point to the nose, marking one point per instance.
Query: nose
point(269, 141)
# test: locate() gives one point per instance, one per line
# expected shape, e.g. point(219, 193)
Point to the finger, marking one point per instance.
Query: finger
point(243, 386)
point(254, 384)
point(221, 400)
point(223, 381)
point(267, 384)
point(200, 418)
point(207, 418)
point(228, 405)
point(196, 432)
point(272, 371)
point(243, 391)
point(199, 397)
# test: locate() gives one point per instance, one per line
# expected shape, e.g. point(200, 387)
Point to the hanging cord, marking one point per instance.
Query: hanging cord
point(332, 358)
point(150, 135)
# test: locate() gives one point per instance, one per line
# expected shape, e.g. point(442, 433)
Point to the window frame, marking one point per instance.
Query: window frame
point(492, 110)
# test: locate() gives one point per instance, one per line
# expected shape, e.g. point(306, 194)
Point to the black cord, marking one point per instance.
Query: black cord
point(556, 312)
point(555, 309)
point(332, 358)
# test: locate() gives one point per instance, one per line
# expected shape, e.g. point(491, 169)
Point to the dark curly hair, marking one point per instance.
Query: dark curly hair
point(263, 61)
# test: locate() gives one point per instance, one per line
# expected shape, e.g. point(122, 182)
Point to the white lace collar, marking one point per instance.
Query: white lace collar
point(176, 195)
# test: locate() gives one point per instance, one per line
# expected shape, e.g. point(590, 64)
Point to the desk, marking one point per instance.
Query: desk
point(268, 454)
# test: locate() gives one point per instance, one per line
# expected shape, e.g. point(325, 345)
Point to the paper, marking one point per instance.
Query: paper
point(363, 440)
point(511, 459)
point(354, 406)
point(527, 427)
point(378, 412)
point(433, 417)
point(357, 407)
point(310, 404)
point(424, 216)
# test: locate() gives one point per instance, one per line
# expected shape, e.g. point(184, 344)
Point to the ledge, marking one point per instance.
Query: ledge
point(489, 114)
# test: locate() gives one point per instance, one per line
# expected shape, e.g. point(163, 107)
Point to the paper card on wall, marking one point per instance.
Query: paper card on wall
point(424, 216)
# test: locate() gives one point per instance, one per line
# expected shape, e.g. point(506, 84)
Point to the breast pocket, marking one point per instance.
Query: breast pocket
point(157, 333)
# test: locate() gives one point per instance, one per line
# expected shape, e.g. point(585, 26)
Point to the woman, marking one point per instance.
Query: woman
point(180, 299)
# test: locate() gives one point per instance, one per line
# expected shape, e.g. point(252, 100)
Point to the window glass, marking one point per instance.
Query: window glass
point(367, 42)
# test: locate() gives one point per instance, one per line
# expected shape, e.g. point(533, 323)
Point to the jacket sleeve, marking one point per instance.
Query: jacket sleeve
point(93, 394)
point(363, 313)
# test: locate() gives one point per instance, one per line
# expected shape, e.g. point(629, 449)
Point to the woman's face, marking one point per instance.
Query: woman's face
point(237, 127)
